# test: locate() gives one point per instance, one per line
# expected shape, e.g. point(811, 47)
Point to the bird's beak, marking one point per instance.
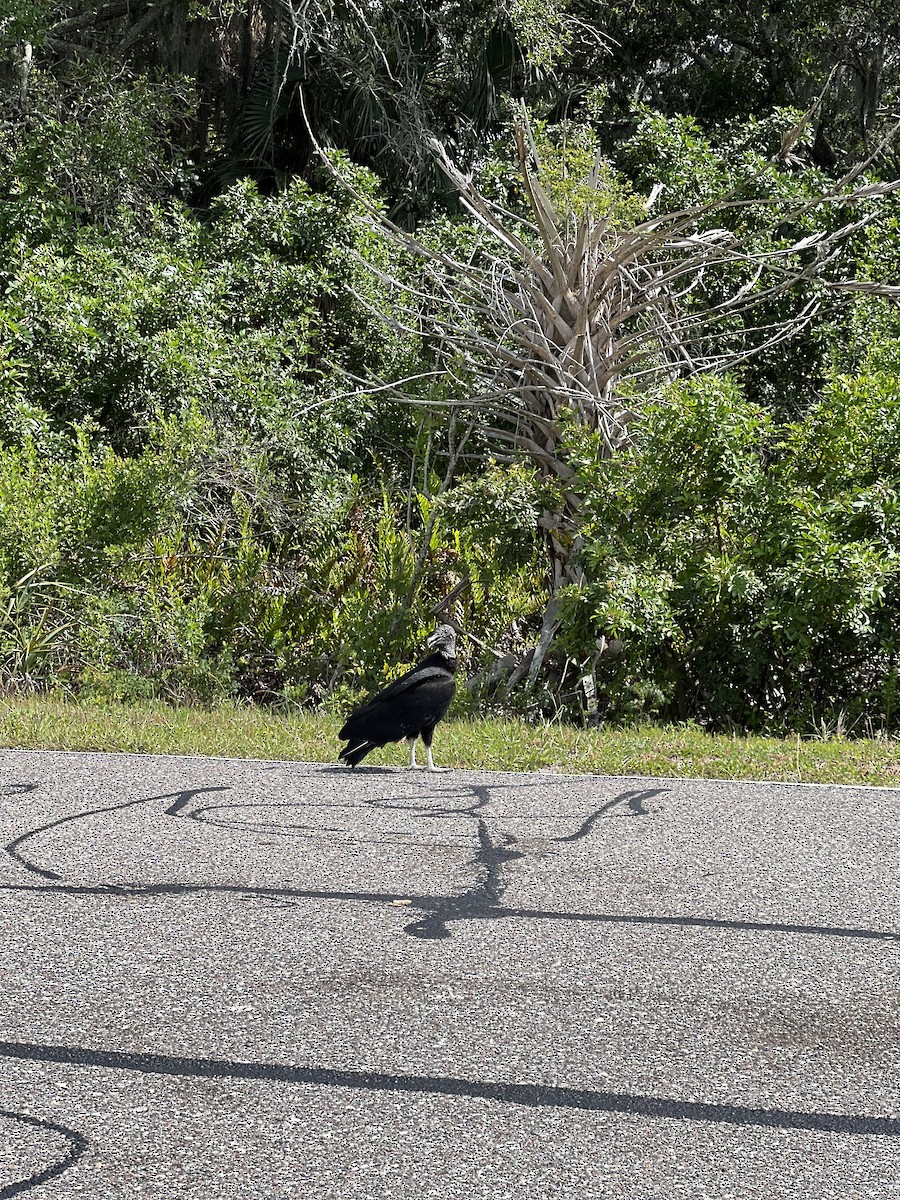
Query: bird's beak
point(437, 639)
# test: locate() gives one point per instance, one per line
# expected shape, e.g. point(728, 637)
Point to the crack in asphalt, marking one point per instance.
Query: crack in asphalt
point(479, 902)
point(137, 891)
point(481, 899)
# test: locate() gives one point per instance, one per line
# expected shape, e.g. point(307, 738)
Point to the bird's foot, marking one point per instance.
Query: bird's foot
point(433, 770)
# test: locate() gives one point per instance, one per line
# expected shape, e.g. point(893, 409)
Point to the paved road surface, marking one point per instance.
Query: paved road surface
point(245, 981)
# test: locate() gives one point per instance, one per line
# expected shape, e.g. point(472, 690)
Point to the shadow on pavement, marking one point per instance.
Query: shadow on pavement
point(533, 1095)
point(76, 1147)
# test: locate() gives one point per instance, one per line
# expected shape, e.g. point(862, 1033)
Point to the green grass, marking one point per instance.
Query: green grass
point(495, 745)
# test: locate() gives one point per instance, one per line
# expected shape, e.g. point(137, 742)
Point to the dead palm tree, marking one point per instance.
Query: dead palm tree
point(577, 310)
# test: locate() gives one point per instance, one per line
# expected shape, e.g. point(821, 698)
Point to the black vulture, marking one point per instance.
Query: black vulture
point(409, 708)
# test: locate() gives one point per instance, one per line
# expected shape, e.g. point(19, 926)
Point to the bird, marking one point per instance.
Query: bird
point(408, 708)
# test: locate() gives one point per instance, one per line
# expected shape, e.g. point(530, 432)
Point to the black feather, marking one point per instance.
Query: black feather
point(410, 706)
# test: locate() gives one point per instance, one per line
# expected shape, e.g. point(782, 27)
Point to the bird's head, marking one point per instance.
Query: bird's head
point(443, 639)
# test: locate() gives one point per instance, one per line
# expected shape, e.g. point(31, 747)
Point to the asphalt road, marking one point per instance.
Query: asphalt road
point(249, 980)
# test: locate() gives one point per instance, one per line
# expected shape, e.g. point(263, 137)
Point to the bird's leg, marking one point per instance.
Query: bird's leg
point(411, 742)
point(431, 766)
point(427, 737)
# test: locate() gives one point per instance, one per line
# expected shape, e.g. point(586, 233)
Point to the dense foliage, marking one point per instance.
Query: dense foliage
point(750, 568)
point(200, 496)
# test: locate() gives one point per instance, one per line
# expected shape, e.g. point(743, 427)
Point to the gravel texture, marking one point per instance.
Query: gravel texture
point(225, 979)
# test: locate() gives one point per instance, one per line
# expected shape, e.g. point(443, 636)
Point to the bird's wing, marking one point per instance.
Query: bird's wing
point(406, 685)
point(412, 679)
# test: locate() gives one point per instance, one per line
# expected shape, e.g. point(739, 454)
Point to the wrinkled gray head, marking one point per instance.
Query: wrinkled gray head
point(443, 639)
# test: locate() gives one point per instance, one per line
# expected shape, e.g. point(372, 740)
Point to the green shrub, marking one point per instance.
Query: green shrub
point(750, 570)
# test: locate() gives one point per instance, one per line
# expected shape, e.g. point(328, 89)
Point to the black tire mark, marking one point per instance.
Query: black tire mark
point(77, 1147)
point(531, 1095)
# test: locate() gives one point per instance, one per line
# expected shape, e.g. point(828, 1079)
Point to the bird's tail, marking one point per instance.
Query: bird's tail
point(355, 752)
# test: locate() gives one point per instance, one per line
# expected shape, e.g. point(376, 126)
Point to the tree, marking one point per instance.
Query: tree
point(376, 79)
point(582, 304)
point(724, 61)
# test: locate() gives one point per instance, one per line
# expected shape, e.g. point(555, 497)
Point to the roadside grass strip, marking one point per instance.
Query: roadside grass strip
point(672, 751)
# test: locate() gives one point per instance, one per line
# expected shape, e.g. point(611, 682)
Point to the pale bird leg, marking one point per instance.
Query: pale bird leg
point(411, 742)
point(431, 766)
